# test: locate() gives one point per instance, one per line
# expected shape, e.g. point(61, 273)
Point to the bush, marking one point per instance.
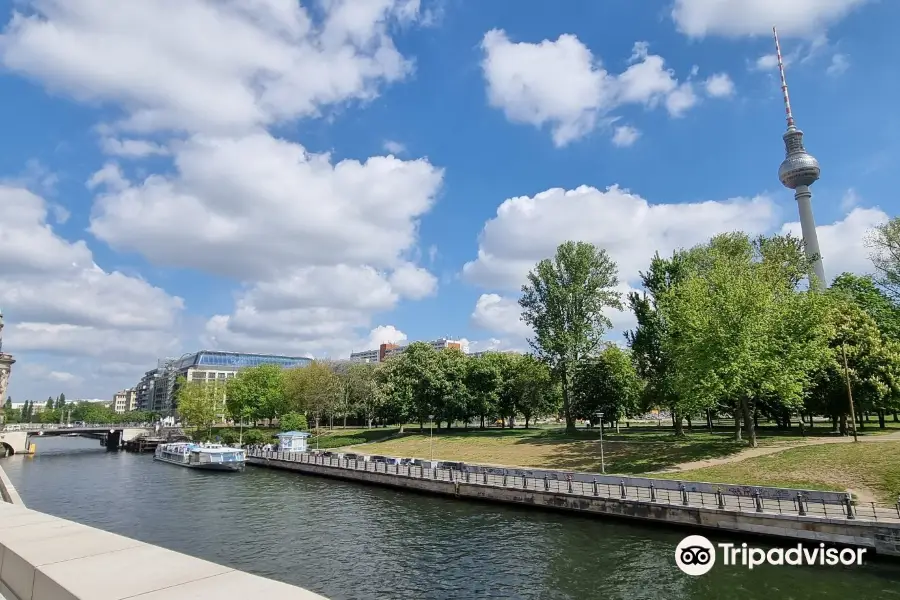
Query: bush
point(293, 421)
point(255, 436)
point(229, 437)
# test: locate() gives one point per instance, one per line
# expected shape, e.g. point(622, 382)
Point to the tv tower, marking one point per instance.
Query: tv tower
point(798, 171)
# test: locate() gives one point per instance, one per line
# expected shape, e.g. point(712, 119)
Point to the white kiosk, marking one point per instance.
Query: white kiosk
point(293, 441)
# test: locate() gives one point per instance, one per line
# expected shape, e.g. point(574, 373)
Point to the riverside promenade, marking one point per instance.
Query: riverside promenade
point(799, 515)
point(47, 558)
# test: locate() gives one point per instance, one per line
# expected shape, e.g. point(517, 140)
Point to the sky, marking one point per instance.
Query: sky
point(314, 178)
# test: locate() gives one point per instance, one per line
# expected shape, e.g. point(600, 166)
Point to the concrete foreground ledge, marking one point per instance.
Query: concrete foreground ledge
point(47, 558)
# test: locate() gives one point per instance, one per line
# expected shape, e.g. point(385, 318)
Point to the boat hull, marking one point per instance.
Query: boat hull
point(230, 466)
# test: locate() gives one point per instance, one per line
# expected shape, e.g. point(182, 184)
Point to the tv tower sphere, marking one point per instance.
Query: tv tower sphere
point(798, 171)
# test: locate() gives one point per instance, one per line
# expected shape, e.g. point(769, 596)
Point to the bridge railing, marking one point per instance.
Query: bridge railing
point(758, 500)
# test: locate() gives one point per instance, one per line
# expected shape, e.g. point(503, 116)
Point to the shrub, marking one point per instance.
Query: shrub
point(229, 437)
point(255, 436)
point(293, 421)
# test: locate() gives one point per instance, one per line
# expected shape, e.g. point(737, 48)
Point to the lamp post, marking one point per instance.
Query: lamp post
point(849, 392)
point(599, 415)
point(431, 436)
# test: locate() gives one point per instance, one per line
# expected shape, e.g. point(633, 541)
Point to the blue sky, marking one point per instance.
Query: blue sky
point(270, 177)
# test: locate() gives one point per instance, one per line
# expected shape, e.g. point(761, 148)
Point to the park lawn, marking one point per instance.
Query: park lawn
point(637, 451)
point(338, 438)
point(869, 469)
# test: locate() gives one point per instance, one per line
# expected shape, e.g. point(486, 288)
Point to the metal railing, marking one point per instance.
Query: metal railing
point(799, 505)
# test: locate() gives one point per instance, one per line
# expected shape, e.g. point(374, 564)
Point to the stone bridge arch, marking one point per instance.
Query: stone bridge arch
point(6, 450)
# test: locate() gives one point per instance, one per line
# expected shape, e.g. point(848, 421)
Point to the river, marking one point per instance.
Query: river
point(352, 542)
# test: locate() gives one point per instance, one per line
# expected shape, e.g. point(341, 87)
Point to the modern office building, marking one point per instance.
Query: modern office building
point(125, 401)
point(387, 350)
point(157, 390)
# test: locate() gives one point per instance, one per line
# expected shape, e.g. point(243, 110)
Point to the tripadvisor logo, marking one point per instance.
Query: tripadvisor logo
point(695, 555)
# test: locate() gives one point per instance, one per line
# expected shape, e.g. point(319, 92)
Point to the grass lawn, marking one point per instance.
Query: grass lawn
point(872, 470)
point(637, 451)
point(337, 438)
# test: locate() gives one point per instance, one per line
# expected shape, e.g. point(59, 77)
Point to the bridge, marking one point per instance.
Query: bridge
point(46, 558)
point(16, 442)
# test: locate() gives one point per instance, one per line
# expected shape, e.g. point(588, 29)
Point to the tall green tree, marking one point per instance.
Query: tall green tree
point(535, 391)
point(648, 339)
point(61, 401)
point(451, 395)
point(865, 293)
point(607, 383)
point(418, 370)
point(884, 243)
point(8, 405)
point(257, 391)
point(483, 380)
point(738, 327)
point(314, 389)
point(197, 403)
point(49, 404)
point(564, 303)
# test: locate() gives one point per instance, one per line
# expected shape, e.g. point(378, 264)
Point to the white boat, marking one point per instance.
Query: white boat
point(211, 457)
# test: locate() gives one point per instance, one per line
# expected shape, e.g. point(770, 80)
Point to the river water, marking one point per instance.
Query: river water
point(352, 542)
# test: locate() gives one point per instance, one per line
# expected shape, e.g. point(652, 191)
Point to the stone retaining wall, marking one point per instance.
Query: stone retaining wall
point(883, 538)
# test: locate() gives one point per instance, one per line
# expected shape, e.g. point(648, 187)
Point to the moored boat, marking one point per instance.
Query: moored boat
point(210, 457)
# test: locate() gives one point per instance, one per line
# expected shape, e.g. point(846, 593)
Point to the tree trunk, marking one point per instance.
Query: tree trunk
point(881, 424)
point(617, 426)
point(737, 426)
point(482, 421)
point(570, 422)
point(834, 423)
point(527, 419)
point(811, 424)
point(843, 424)
point(748, 422)
point(756, 420)
point(709, 424)
point(896, 417)
point(861, 421)
point(690, 424)
point(345, 420)
point(679, 426)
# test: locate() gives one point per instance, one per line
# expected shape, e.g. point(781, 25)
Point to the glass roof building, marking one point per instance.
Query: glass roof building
point(228, 361)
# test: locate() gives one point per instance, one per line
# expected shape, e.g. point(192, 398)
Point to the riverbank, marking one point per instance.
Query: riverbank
point(869, 470)
point(762, 511)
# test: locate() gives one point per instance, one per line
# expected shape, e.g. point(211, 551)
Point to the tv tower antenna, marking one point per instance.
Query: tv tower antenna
point(797, 172)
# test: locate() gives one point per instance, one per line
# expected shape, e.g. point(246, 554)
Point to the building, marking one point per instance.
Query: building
point(797, 172)
point(157, 390)
point(125, 401)
point(387, 350)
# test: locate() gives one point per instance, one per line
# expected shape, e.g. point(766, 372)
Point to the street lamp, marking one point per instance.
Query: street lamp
point(599, 415)
point(431, 436)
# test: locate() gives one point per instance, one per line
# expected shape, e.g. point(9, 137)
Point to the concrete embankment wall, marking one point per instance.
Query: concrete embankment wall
point(883, 538)
point(47, 558)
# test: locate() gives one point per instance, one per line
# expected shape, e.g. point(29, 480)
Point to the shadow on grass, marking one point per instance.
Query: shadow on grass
point(338, 439)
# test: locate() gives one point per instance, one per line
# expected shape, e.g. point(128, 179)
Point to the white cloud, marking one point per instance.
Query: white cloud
point(527, 229)
point(500, 315)
point(304, 209)
point(57, 301)
point(394, 147)
point(320, 247)
point(130, 148)
point(719, 85)
point(839, 64)
point(625, 136)
point(220, 67)
point(561, 85)
point(850, 200)
point(768, 62)
point(734, 18)
point(842, 242)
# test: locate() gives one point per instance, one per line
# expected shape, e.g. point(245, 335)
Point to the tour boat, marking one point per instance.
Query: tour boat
point(211, 457)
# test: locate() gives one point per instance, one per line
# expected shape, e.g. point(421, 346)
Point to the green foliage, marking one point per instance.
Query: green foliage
point(257, 393)
point(90, 412)
point(564, 302)
point(293, 422)
point(229, 437)
point(609, 384)
point(197, 403)
point(884, 242)
point(862, 291)
point(738, 329)
point(255, 436)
